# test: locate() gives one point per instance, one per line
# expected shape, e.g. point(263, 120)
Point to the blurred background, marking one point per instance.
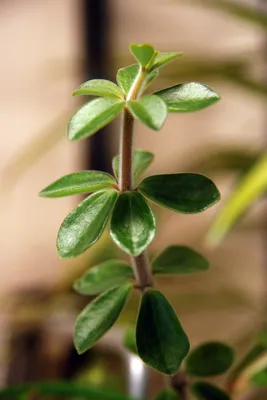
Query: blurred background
point(48, 49)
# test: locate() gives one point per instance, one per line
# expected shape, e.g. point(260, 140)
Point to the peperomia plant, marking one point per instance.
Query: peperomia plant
point(122, 202)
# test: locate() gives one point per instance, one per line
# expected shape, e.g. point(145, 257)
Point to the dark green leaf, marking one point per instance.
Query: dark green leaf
point(93, 116)
point(103, 276)
point(99, 87)
point(206, 391)
point(79, 182)
point(188, 97)
point(132, 224)
point(209, 359)
point(179, 260)
point(184, 193)
point(167, 394)
point(85, 224)
point(129, 341)
point(150, 110)
point(127, 75)
point(143, 53)
point(259, 379)
point(141, 161)
point(99, 316)
point(162, 59)
point(160, 339)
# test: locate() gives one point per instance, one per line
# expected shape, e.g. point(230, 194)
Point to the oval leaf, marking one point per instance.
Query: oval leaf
point(129, 341)
point(93, 116)
point(209, 359)
point(127, 75)
point(143, 53)
point(141, 161)
point(85, 224)
point(132, 224)
point(188, 97)
point(150, 110)
point(103, 276)
point(179, 260)
point(162, 59)
point(184, 193)
point(206, 391)
point(79, 182)
point(160, 339)
point(167, 394)
point(99, 316)
point(99, 87)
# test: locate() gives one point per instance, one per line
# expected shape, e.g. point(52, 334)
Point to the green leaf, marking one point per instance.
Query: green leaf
point(99, 87)
point(143, 53)
point(184, 193)
point(167, 394)
point(99, 316)
point(103, 276)
point(188, 97)
point(93, 116)
point(150, 110)
point(250, 188)
point(206, 391)
point(259, 379)
point(129, 341)
point(162, 59)
point(141, 161)
point(127, 75)
point(85, 224)
point(179, 260)
point(209, 359)
point(132, 224)
point(160, 339)
point(78, 182)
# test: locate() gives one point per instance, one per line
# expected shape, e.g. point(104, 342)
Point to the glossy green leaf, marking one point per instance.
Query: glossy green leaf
point(206, 391)
point(150, 110)
point(141, 161)
point(132, 224)
point(162, 59)
point(78, 182)
point(209, 359)
point(93, 116)
point(99, 87)
point(127, 75)
point(250, 188)
point(129, 341)
point(179, 260)
point(160, 339)
point(85, 224)
point(167, 394)
point(188, 97)
point(103, 276)
point(184, 193)
point(143, 53)
point(99, 316)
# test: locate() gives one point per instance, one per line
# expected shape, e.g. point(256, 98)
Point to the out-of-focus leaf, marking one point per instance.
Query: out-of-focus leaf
point(141, 161)
point(151, 110)
point(129, 340)
point(162, 59)
point(167, 394)
point(99, 87)
point(249, 189)
point(206, 391)
point(127, 75)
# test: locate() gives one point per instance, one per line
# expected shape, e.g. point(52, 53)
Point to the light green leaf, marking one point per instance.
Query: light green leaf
point(209, 359)
point(141, 161)
point(129, 341)
point(188, 97)
point(99, 87)
point(103, 276)
point(167, 394)
point(78, 182)
point(185, 193)
point(251, 187)
point(179, 260)
point(93, 116)
point(162, 59)
point(160, 339)
point(143, 53)
point(150, 110)
point(99, 316)
point(127, 75)
point(85, 224)
point(206, 391)
point(132, 224)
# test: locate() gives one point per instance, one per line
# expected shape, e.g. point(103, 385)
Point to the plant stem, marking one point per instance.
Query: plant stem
point(180, 384)
point(140, 264)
